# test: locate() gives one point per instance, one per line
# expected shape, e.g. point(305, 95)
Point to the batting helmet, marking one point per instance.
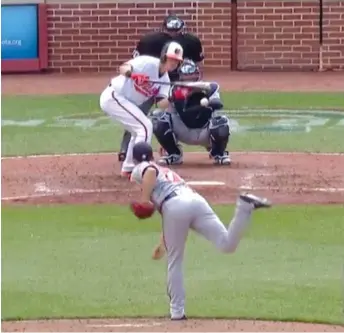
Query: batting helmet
point(142, 151)
point(172, 50)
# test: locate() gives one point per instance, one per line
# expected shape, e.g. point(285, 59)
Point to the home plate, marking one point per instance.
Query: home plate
point(205, 183)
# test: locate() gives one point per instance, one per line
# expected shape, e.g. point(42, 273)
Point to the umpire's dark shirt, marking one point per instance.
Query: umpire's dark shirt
point(192, 46)
point(152, 43)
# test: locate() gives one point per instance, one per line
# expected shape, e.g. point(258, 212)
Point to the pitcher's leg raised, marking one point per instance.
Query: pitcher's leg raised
point(225, 239)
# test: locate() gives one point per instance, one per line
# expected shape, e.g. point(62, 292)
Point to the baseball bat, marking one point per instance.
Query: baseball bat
point(198, 85)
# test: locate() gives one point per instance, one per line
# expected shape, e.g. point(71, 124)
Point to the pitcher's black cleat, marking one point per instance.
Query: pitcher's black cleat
point(181, 318)
point(256, 201)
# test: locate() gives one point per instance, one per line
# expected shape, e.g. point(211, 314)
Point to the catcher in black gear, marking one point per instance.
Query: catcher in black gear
point(193, 118)
point(173, 28)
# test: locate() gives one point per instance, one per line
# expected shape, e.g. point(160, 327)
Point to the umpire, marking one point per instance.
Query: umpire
point(173, 29)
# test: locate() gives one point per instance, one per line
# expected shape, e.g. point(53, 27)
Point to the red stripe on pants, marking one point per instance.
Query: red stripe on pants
point(128, 111)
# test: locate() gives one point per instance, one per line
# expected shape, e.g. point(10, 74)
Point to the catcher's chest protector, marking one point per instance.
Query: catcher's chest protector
point(191, 112)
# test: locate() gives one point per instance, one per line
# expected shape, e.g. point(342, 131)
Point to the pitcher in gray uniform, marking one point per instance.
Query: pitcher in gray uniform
point(182, 209)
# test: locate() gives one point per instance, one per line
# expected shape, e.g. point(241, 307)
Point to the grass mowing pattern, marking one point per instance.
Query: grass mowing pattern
point(81, 261)
point(46, 139)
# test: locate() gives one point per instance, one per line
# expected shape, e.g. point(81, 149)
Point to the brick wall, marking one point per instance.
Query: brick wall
point(272, 34)
point(98, 37)
point(278, 34)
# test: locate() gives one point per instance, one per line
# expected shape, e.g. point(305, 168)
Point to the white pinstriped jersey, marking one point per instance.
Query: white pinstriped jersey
point(167, 181)
point(140, 93)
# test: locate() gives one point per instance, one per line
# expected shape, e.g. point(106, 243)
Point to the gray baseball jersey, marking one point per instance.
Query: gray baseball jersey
point(188, 210)
point(167, 181)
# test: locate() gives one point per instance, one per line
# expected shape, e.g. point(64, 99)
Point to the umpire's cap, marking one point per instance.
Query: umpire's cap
point(142, 151)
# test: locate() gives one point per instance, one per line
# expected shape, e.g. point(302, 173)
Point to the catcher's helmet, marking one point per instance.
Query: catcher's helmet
point(189, 71)
point(172, 50)
point(172, 23)
point(142, 151)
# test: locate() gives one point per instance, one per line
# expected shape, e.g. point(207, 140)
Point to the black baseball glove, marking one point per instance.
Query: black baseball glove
point(194, 99)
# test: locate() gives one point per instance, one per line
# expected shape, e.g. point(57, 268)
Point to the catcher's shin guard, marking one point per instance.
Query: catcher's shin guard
point(163, 132)
point(219, 135)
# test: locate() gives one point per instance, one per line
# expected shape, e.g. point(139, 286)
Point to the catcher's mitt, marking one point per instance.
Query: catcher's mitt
point(142, 210)
point(194, 99)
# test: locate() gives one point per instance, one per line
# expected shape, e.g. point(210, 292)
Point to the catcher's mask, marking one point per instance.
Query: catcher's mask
point(142, 151)
point(189, 71)
point(173, 24)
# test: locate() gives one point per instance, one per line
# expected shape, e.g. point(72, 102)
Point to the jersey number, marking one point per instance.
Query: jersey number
point(171, 176)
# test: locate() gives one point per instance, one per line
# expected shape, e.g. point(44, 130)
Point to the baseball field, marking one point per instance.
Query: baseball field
point(72, 249)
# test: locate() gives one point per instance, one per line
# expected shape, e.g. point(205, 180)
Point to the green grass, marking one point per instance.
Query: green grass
point(74, 123)
point(65, 261)
point(94, 261)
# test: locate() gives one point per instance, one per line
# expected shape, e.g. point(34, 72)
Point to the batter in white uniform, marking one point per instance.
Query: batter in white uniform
point(120, 100)
point(182, 209)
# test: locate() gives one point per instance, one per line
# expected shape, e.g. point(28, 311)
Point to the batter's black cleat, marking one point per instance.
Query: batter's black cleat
point(181, 318)
point(256, 201)
point(121, 156)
